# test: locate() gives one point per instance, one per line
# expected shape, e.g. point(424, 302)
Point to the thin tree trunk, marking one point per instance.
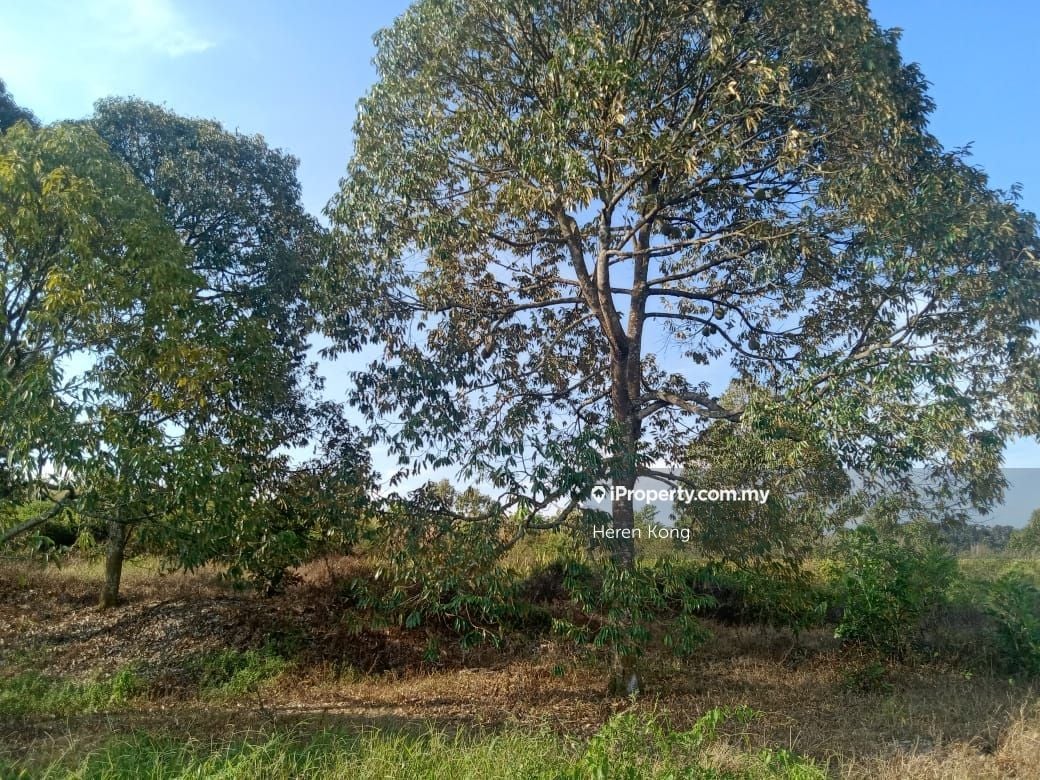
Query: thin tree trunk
point(625, 678)
point(622, 513)
point(115, 550)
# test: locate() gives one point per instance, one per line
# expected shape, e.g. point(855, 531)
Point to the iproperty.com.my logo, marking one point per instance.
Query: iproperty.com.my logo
point(681, 494)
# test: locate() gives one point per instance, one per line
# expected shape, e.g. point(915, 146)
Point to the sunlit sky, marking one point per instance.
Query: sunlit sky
point(294, 72)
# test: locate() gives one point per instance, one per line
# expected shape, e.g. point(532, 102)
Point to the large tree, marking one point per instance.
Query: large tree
point(235, 204)
point(116, 379)
point(92, 276)
point(562, 216)
point(174, 348)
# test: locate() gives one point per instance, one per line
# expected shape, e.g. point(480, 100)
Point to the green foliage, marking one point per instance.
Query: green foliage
point(1027, 540)
point(67, 530)
point(87, 265)
point(779, 595)
point(886, 583)
point(541, 191)
point(438, 557)
point(438, 568)
point(11, 112)
point(633, 746)
point(232, 673)
point(32, 693)
point(319, 507)
point(243, 392)
point(627, 608)
point(1013, 601)
point(538, 550)
point(174, 254)
point(777, 449)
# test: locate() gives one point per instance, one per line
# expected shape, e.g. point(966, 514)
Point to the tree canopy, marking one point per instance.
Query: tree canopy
point(88, 265)
point(234, 204)
point(561, 216)
point(155, 340)
point(11, 112)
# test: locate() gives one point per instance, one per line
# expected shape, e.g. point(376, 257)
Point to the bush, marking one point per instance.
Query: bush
point(1014, 604)
point(783, 596)
point(437, 561)
point(886, 583)
point(626, 608)
point(475, 606)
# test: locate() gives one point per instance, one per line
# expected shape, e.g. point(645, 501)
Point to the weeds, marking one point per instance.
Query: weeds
point(232, 673)
point(31, 693)
point(629, 745)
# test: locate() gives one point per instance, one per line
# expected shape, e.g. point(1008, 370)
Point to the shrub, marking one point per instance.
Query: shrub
point(626, 608)
point(886, 583)
point(438, 563)
point(1014, 604)
point(784, 596)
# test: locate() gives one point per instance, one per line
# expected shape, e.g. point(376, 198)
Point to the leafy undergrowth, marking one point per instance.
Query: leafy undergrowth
point(227, 674)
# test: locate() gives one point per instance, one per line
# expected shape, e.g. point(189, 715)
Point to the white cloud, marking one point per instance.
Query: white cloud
point(58, 57)
point(152, 25)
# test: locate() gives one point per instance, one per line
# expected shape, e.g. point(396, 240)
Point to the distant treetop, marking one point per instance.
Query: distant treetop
point(11, 112)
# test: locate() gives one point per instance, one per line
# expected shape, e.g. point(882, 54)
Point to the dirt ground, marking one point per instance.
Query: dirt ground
point(925, 720)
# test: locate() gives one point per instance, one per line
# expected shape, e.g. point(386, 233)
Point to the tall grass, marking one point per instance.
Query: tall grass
point(628, 746)
point(32, 693)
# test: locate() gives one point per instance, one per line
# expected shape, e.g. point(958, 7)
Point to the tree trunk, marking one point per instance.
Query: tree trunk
point(623, 468)
point(622, 513)
point(625, 678)
point(118, 533)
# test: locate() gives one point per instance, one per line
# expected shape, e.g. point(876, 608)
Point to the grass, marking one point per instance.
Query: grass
point(629, 745)
point(230, 673)
point(31, 693)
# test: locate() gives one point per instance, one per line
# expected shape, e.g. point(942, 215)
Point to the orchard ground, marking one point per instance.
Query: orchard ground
point(192, 677)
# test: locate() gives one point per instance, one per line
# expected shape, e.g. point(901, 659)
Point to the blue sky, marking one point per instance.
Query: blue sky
point(294, 72)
